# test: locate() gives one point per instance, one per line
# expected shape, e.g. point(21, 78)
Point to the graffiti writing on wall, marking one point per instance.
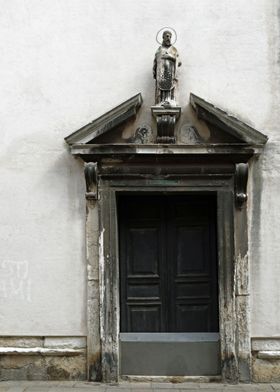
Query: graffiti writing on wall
point(15, 281)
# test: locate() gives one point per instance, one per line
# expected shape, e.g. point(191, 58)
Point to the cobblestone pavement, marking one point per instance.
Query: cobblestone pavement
point(68, 386)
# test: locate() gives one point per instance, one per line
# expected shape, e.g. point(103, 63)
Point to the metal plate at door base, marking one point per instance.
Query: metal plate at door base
point(170, 354)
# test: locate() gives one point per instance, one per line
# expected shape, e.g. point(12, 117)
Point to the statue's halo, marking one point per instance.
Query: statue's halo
point(160, 32)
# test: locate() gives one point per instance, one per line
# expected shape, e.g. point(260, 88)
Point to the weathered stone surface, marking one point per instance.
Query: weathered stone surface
point(266, 370)
point(22, 368)
point(93, 293)
point(65, 342)
point(243, 342)
point(265, 344)
point(41, 351)
point(67, 368)
point(269, 355)
point(42, 358)
point(93, 321)
point(26, 367)
point(8, 341)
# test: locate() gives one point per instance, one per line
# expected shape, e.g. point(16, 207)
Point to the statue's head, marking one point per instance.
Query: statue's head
point(166, 38)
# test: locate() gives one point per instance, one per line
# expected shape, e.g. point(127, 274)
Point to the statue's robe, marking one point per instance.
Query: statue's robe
point(165, 70)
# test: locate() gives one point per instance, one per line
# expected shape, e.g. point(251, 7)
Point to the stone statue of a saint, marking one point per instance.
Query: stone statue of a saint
point(165, 67)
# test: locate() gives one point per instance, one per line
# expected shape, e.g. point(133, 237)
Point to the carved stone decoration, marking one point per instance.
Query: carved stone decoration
point(166, 111)
point(91, 180)
point(143, 135)
point(190, 135)
point(241, 178)
point(166, 63)
point(165, 127)
point(166, 120)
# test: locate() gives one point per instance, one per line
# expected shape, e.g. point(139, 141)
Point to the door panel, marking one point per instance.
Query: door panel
point(192, 258)
point(144, 318)
point(192, 317)
point(190, 242)
point(143, 240)
point(168, 264)
point(141, 264)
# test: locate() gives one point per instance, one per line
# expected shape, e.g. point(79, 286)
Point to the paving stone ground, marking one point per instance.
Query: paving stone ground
point(68, 386)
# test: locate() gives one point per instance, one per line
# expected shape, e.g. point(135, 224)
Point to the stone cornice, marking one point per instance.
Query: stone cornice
point(99, 150)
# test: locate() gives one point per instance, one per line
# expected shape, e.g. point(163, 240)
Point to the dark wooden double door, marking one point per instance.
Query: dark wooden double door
point(168, 263)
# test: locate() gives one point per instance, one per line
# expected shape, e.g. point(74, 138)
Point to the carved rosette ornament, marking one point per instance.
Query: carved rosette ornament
point(166, 111)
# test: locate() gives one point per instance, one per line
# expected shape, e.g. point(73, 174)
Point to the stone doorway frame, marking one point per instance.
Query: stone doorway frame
point(103, 263)
point(212, 165)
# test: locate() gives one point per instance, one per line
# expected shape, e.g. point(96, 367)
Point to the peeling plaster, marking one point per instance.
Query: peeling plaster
point(101, 264)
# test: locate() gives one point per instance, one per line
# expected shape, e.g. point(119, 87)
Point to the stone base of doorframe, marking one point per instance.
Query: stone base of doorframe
point(266, 360)
point(43, 358)
point(172, 379)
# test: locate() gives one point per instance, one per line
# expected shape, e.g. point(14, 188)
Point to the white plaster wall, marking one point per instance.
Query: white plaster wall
point(65, 62)
point(265, 203)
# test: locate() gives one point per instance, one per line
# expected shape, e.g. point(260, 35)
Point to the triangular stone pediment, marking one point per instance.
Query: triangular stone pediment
point(202, 130)
point(108, 122)
point(202, 124)
point(225, 125)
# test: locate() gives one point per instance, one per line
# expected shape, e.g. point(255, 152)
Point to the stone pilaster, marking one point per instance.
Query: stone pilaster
point(93, 302)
